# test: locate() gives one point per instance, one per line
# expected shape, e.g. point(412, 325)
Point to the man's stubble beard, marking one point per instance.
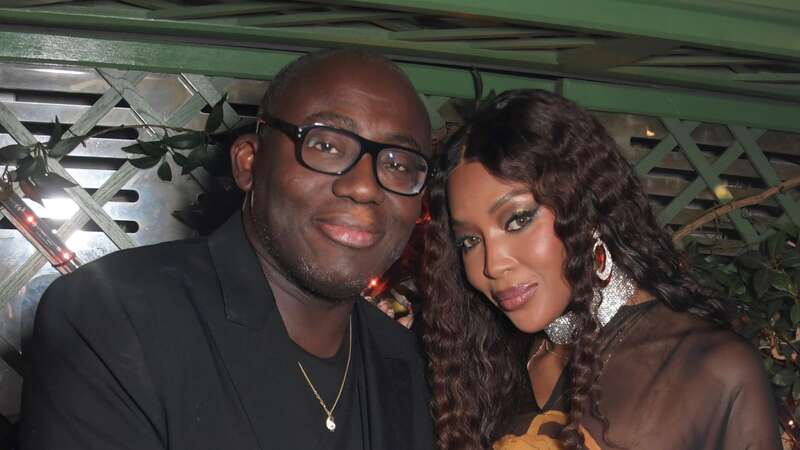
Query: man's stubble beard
point(322, 284)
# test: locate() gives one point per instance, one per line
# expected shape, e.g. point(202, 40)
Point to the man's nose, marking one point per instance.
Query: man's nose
point(359, 183)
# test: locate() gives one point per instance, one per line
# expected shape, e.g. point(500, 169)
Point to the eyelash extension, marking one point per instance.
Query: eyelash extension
point(527, 214)
point(460, 243)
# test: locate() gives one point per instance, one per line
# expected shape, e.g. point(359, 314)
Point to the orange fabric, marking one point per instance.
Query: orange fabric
point(532, 440)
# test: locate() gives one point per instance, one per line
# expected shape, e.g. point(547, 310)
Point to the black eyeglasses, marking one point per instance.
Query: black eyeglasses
point(334, 151)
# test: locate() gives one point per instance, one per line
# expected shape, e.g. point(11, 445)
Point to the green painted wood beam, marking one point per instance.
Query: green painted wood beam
point(698, 79)
point(233, 37)
point(248, 63)
point(768, 77)
point(612, 53)
point(28, 3)
point(468, 34)
point(700, 23)
point(431, 80)
point(534, 44)
point(223, 10)
point(705, 107)
point(318, 18)
point(683, 61)
point(649, 161)
point(151, 4)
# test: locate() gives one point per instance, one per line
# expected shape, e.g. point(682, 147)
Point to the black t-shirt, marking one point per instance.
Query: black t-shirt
point(326, 375)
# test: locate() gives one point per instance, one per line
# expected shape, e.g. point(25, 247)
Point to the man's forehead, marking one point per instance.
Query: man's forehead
point(330, 118)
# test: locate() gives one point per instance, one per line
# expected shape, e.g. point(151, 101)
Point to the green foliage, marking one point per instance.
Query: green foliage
point(31, 173)
point(764, 283)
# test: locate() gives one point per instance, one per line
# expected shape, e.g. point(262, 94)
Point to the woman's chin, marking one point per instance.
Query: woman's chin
point(528, 326)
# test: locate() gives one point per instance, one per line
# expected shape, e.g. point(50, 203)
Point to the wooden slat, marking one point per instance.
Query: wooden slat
point(78, 195)
point(318, 18)
point(534, 44)
point(224, 10)
point(466, 34)
point(688, 61)
point(709, 175)
point(747, 138)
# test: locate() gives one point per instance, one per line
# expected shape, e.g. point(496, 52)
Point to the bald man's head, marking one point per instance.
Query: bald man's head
point(294, 70)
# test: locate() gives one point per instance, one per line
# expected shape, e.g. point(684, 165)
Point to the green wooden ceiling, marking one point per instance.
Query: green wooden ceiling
point(749, 47)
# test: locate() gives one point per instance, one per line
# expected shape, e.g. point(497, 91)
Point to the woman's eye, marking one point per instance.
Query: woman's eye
point(519, 220)
point(467, 242)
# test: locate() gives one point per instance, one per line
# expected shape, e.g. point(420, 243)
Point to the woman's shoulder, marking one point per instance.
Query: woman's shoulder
point(708, 347)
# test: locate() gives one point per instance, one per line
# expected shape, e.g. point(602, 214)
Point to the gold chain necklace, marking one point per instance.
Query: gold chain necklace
point(544, 346)
point(329, 423)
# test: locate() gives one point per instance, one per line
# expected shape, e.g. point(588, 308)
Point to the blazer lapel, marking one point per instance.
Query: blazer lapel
point(387, 385)
point(247, 330)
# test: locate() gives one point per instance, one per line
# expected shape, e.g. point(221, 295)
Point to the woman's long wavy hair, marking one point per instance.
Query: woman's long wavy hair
point(477, 357)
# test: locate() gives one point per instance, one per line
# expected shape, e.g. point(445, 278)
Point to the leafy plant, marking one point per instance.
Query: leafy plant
point(764, 284)
point(189, 149)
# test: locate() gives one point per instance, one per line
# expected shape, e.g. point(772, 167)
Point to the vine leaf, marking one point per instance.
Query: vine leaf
point(216, 115)
point(55, 133)
point(794, 314)
point(52, 180)
point(14, 152)
point(785, 377)
point(179, 159)
point(186, 141)
point(752, 260)
point(64, 146)
point(31, 192)
point(153, 148)
point(164, 171)
point(133, 148)
point(145, 162)
point(761, 282)
point(781, 281)
point(51, 184)
point(29, 167)
point(477, 84)
point(195, 159)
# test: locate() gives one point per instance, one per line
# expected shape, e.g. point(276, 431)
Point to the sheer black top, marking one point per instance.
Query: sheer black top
point(670, 381)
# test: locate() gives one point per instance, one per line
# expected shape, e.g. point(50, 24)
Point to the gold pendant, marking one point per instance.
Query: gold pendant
point(330, 423)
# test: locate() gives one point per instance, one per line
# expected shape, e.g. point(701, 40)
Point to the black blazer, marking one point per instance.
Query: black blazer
point(168, 347)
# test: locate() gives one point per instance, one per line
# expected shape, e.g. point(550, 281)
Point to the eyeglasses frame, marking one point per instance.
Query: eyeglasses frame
point(298, 135)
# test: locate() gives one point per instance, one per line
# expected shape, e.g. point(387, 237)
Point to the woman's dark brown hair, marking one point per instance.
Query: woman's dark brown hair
point(477, 357)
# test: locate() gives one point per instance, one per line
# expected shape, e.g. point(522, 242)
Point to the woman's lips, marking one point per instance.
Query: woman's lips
point(515, 297)
point(349, 235)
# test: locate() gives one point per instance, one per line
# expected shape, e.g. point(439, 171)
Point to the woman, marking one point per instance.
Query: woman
point(571, 324)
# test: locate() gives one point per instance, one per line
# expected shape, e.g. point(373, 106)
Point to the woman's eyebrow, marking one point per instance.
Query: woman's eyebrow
point(508, 196)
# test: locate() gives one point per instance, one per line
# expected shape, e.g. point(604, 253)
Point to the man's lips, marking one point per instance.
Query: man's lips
point(514, 297)
point(350, 233)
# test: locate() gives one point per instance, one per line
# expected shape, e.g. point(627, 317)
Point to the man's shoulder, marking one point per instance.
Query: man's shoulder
point(127, 283)
point(146, 261)
point(133, 271)
point(387, 332)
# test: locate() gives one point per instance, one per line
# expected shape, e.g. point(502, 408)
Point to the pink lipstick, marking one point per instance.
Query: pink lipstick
point(514, 297)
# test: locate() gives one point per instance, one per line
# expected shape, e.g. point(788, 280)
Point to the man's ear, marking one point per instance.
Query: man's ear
point(243, 155)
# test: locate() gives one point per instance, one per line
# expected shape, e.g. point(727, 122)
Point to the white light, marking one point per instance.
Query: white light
point(54, 208)
point(59, 71)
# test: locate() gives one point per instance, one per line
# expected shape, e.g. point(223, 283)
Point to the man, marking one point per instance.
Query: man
point(255, 338)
